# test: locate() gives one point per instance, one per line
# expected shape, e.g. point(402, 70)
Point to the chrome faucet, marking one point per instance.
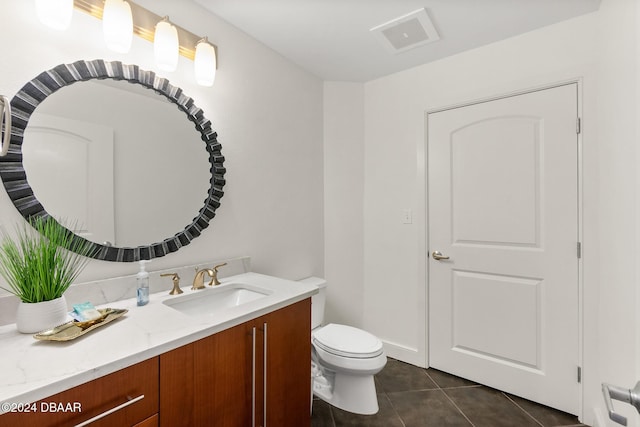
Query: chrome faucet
point(198, 281)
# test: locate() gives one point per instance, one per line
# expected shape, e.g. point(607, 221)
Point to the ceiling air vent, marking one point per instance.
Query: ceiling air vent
point(406, 32)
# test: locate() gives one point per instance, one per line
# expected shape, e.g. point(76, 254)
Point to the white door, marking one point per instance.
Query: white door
point(503, 206)
point(69, 165)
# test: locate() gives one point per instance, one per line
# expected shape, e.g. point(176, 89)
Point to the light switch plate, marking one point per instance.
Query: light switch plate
point(407, 216)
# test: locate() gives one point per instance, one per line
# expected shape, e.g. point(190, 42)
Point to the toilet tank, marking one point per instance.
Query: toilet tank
point(317, 300)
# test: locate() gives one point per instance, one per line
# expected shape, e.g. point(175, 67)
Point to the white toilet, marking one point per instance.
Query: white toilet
point(343, 360)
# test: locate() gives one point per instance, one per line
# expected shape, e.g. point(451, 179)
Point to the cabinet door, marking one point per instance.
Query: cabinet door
point(288, 366)
point(177, 396)
point(208, 383)
point(226, 380)
point(223, 373)
point(137, 384)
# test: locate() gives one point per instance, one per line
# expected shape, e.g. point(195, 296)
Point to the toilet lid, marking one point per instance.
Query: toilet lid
point(347, 341)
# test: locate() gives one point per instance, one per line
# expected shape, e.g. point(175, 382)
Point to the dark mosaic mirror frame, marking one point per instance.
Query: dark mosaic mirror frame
point(37, 90)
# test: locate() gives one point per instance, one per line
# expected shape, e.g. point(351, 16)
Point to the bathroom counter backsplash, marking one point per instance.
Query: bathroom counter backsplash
point(100, 292)
point(33, 370)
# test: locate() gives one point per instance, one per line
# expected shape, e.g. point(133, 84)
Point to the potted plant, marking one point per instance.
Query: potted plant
point(39, 265)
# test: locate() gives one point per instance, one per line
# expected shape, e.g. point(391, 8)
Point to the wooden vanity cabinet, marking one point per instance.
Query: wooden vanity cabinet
point(254, 374)
point(152, 421)
point(288, 379)
point(209, 376)
point(81, 403)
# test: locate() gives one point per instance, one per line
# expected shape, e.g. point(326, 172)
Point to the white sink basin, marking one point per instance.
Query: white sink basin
point(211, 300)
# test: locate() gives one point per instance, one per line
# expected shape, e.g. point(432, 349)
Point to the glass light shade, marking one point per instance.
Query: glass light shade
point(165, 46)
point(117, 25)
point(55, 14)
point(204, 63)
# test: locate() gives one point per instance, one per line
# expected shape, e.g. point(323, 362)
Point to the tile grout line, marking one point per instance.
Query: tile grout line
point(521, 408)
point(448, 398)
point(418, 390)
point(456, 406)
point(462, 386)
point(394, 409)
point(431, 378)
point(386, 395)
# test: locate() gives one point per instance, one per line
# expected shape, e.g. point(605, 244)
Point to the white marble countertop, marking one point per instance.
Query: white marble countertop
point(33, 370)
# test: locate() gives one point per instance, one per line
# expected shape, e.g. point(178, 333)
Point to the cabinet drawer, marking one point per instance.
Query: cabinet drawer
point(149, 422)
point(86, 401)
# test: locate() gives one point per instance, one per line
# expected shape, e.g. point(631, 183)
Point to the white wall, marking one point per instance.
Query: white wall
point(598, 49)
point(617, 114)
point(395, 109)
point(343, 195)
point(268, 115)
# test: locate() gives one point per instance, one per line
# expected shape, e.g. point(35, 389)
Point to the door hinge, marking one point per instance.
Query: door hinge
point(578, 125)
point(579, 374)
point(579, 249)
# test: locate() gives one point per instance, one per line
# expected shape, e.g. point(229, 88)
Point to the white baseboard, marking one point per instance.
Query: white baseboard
point(404, 354)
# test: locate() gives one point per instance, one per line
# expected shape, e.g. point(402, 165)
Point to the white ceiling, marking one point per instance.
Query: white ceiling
point(331, 38)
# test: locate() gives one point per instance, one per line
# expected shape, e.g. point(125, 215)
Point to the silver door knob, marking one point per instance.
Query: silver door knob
point(437, 255)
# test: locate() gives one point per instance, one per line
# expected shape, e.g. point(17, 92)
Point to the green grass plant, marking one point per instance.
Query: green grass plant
point(43, 260)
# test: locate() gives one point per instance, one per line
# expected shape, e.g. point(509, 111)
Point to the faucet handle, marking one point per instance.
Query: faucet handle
point(176, 283)
point(214, 277)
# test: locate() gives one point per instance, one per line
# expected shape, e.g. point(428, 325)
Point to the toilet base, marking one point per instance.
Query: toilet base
point(352, 393)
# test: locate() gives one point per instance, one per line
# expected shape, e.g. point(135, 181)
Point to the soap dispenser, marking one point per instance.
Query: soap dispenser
point(142, 279)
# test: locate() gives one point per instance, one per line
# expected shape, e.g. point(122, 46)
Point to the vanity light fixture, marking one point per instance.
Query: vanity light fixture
point(204, 63)
point(117, 25)
point(55, 14)
point(121, 19)
point(166, 46)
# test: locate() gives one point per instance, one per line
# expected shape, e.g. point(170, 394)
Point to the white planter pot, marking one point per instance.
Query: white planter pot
point(40, 316)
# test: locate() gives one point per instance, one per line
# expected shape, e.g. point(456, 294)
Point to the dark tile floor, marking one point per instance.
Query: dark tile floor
point(409, 396)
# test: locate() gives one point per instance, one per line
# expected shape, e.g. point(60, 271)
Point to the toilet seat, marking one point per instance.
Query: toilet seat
point(347, 341)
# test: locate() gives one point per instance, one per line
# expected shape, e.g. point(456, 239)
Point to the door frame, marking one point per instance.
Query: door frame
point(423, 216)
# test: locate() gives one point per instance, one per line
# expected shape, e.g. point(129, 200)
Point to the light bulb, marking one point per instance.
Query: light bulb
point(55, 14)
point(117, 25)
point(165, 45)
point(204, 64)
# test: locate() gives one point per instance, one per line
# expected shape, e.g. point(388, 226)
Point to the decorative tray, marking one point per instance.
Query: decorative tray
point(72, 330)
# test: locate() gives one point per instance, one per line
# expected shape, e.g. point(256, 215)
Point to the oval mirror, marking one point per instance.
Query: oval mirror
point(112, 154)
